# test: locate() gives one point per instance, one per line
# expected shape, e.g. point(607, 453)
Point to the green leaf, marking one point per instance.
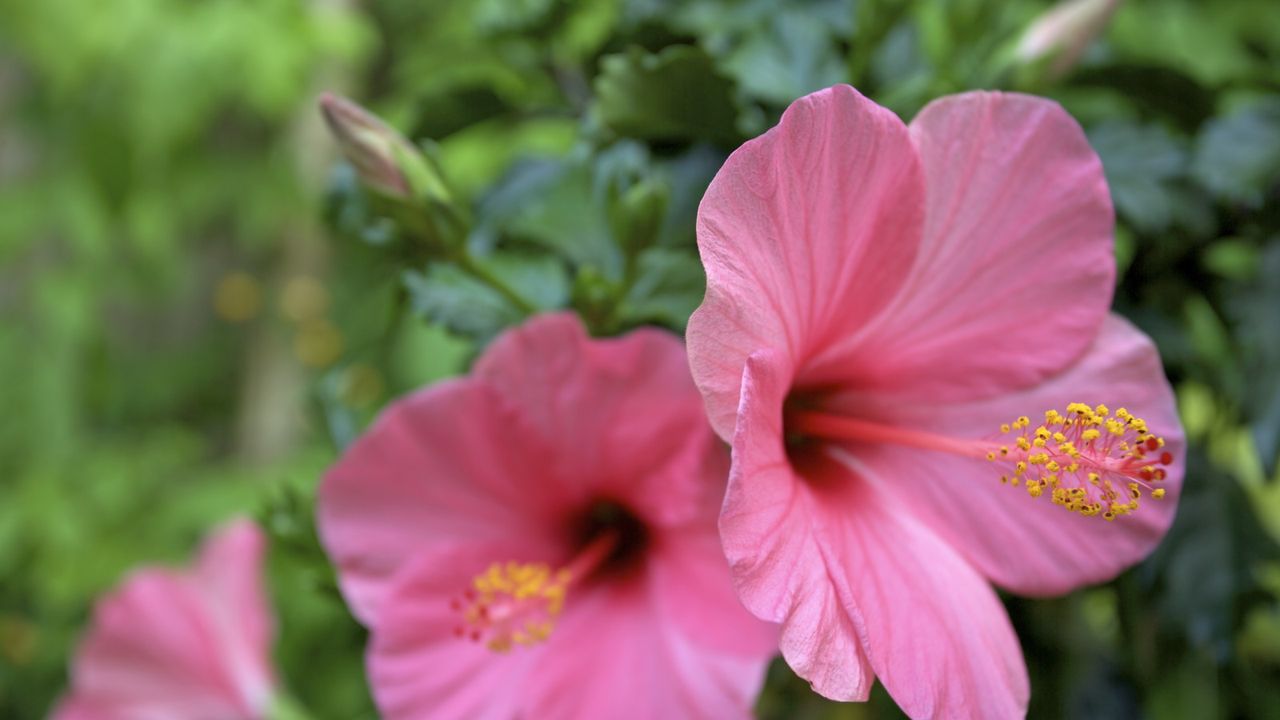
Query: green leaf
point(1252, 308)
point(1237, 158)
point(672, 96)
point(446, 295)
point(793, 54)
point(585, 29)
point(1157, 91)
point(513, 16)
point(1143, 164)
point(442, 111)
point(540, 279)
point(553, 205)
point(1183, 35)
point(1189, 690)
point(1233, 259)
point(688, 175)
point(341, 421)
point(464, 303)
point(899, 70)
point(669, 285)
point(1212, 344)
point(480, 153)
point(350, 210)
point(1204, 571)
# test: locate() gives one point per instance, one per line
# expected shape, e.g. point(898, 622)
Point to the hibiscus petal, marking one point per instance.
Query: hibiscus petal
point(767, 531)
point(152, 653)
point(805, 233)
point(613, 657)
point(622, 415)
point(449, 462)
point(73, 708)
point(419, 667)
point(706, 610)
point(229, 573)
point(1015, 272)
point(1029, 545)
point(934, 630)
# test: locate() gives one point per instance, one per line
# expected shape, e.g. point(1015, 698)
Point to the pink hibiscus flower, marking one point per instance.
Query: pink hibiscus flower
point(887, 307)
point(181, 644)
point(539, 539)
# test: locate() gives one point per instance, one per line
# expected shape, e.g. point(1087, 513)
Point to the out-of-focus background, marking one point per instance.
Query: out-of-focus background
point(198, 305)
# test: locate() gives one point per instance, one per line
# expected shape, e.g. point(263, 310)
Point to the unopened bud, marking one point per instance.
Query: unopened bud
point(385, 160)
point(636, 214)
point(1060, 36)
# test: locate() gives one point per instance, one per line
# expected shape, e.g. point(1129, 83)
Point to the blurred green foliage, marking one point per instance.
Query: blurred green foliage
point(163, 283)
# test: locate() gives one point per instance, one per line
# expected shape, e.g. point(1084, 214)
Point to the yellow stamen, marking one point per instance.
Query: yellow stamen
point(515, 603)
point(1101, 463)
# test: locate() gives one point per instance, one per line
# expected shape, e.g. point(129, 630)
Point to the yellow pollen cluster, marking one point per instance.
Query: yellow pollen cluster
point(512, 604)
point(1089, 460)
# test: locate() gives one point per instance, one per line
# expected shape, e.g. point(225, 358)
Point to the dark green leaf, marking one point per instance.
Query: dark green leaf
point(792, 55)
point(669, 285)
point(540, 279)
point(1143, 164)
point(1253, 309)
point(688, 175)
point(446, 110)
point(672, 96)
point(513, 16)
point(1205, 569)
point(448, 296)
point(555, 206)
point(1154, 90)
point(1238, 157)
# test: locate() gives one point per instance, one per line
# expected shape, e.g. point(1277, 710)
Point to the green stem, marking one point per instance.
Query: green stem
point(464, 260)
point(451, 240)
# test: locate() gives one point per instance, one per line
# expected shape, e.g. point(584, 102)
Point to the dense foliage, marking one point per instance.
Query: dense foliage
point(181, 338)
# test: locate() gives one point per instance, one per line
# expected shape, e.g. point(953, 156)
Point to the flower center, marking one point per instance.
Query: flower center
point(606, 516)
point(515, 603)
point(1090, 461)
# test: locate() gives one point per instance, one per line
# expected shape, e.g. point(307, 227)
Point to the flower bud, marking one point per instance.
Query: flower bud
point(1060, 36)
point(385, 160)
point(636, 214)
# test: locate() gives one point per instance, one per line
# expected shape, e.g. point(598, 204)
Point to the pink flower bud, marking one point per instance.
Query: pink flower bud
point(1061, 35)
point(385, 159)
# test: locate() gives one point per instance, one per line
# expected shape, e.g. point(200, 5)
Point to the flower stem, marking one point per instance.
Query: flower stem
point(466, 262)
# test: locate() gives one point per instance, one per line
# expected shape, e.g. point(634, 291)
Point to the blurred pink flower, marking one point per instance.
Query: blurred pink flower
point(884, 305)
point(181, 644)
point(539, 539)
